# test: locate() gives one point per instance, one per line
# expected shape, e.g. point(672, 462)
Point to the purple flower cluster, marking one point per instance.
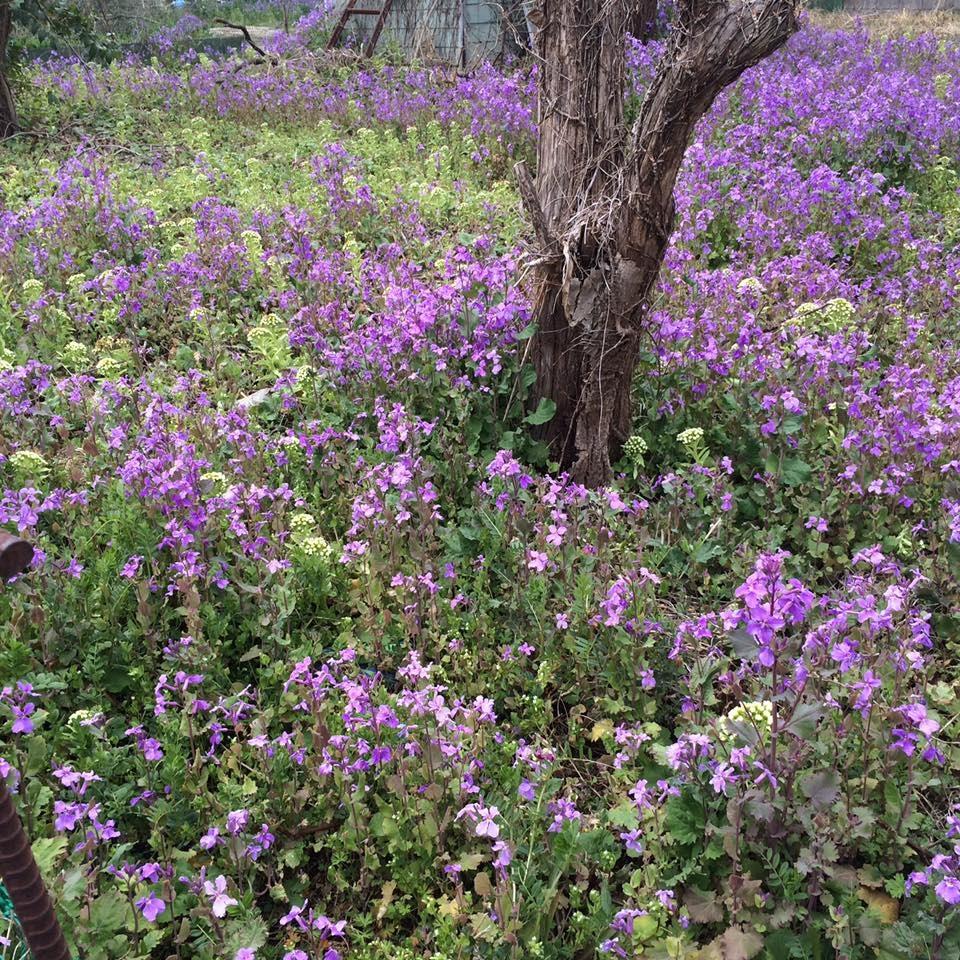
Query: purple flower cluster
point(338, 633)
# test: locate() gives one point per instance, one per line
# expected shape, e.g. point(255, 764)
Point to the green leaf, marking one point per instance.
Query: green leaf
point(704, 906)
point(737, 943)
point(73, 885)
point(893, 798)
point(483, 927)
point(795, 472)
point(684, 820)
point(36, 754)
point(543, 414)
point(744, 645)
point(896, 887)
point(116, 678)
point(623, 815)
point(47, 851)
point(645, 927)
point(707, 551)
point(527, 332)
point(108, 914)
point(792, 423)
point(382, 824)
point(821, 788)
point(804, 720)
point(248, 931)
point(783, 945)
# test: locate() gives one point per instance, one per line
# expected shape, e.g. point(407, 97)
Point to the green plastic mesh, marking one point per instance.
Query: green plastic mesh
point(12, 946)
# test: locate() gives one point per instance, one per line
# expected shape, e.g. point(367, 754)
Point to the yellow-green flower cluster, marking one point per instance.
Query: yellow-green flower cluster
point(839, 313)
point(829, 317)
point(29, 464)
point(301, 524)
point(353, 250)
point(290, 450)
point(32, 290)
point(270, 339)
point(309, 546)
point(254, 244)
point(107, 280)
point(110, 368)
point(109, 344)
point(756, 714)
point(751, 285)
point(214, 481)
point(904, 541)
point(75, 281)
point(75, 355)
point(275, 270)
point(79, 717)
point(691, 437)
point(635, 448)
point(316, 548)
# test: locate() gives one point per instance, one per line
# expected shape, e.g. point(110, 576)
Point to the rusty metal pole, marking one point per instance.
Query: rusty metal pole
point(18, 868)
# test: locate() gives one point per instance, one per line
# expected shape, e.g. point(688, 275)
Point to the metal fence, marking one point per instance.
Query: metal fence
point(461, 32)
point(887, 6)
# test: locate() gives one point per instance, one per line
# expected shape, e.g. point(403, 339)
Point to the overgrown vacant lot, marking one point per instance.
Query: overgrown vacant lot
point(318, 658)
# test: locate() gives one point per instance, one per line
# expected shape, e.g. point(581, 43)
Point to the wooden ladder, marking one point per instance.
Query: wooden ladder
point(352, 10)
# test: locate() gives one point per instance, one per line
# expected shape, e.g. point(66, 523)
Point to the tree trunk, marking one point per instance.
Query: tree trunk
point(8, 110)
point(602, 205)
point(579, 157)
point(643, 20)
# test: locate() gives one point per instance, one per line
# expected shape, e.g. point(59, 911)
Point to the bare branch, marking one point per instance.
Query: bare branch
point(246, 35)
point(714, 43)
point(710, 48)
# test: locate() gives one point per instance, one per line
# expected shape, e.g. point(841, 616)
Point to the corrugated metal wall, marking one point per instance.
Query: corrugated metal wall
point(461, 32)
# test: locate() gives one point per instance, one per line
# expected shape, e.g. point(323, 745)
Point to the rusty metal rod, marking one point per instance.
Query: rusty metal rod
point(21, 877)
point(15, 555)
point(18, 867)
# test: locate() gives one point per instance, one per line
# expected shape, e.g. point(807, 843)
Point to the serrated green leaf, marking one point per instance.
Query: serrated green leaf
point(47, 851)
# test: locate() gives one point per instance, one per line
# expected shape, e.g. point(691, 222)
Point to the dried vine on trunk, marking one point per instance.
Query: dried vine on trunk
point(602, 204)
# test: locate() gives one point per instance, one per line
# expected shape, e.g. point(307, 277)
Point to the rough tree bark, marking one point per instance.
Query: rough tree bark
point(8, 110)
point(643, 20)
point(602, 205)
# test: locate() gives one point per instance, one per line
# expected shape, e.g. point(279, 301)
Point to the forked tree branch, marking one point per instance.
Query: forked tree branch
point(713, 43)
point(604, 196)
